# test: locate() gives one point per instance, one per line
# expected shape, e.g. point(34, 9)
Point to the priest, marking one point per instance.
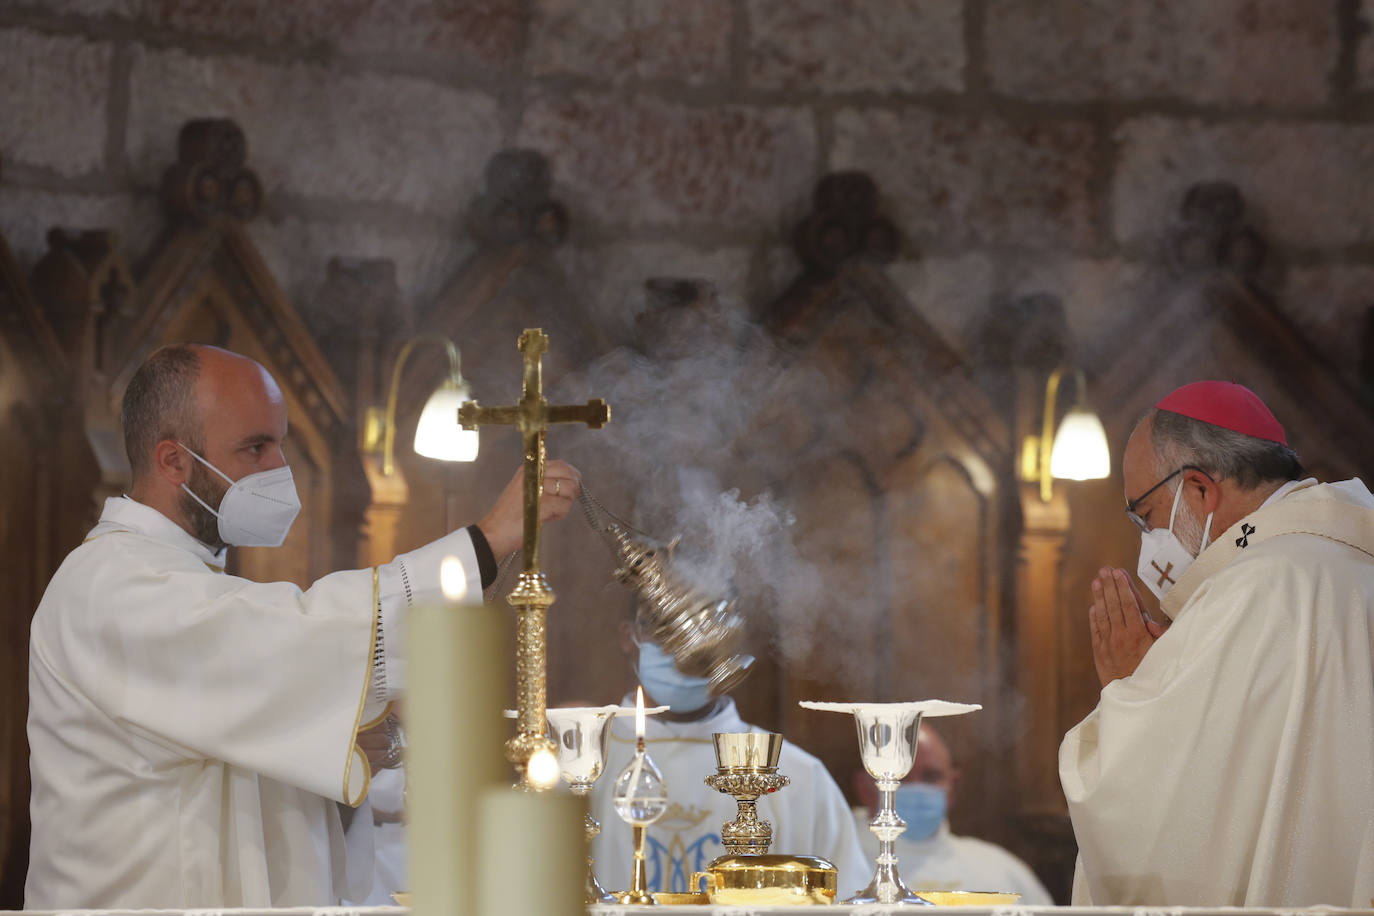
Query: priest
point(192, 733)
point(1230, 759)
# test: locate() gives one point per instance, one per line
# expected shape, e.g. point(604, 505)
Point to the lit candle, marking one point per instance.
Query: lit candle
point(457, 675)
point(639, 718)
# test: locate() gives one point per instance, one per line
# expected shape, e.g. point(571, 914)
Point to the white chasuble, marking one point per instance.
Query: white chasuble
point(1235, 767)
point(191, 733)
point(809, 816)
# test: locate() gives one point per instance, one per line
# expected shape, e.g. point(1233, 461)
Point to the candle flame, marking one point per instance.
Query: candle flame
point(639, 715)
point(542, 770)
point(452, 579)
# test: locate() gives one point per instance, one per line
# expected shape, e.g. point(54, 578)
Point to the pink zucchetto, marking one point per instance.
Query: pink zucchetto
point(1227, 405)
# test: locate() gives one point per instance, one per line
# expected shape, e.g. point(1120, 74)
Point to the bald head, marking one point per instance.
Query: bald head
point(160, 403)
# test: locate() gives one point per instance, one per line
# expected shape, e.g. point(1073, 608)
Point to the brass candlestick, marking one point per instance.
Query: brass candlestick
point(532, 596)
point(747, 768)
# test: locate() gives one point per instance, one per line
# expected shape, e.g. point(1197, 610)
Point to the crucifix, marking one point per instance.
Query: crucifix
point(532, 596)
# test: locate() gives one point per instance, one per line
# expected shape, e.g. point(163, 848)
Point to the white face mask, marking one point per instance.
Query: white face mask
point(257, 510)
point(1163, 558)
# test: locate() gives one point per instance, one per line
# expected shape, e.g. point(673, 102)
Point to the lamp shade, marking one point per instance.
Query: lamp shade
point(438, 434)
point(1080, 447)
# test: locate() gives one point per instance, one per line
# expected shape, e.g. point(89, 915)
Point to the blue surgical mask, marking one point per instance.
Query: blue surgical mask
point(662, 681)
point(922, 806)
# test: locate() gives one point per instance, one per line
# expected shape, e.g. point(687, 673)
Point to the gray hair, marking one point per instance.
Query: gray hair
point(160, 403)
point(1222, 453)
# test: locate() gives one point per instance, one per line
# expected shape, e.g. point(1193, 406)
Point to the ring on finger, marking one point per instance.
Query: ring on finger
point(557, 487)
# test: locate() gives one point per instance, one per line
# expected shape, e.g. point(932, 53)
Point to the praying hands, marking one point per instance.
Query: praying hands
point(1122, 631)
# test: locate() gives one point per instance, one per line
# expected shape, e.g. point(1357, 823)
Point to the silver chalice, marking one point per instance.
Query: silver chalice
point(887, 745)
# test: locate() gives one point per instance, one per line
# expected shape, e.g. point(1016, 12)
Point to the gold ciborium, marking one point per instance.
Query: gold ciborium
point(747, 768)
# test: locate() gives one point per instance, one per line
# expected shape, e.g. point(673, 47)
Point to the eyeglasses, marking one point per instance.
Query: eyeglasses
point(1130, 506)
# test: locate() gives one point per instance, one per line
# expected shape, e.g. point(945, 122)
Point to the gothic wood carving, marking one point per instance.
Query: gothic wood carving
point(902, 441)
point(47, 469)
point(207, 282)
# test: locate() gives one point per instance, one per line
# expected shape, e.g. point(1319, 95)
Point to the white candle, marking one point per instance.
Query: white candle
point(639, 717)
point(458, 667)
point(532, 855)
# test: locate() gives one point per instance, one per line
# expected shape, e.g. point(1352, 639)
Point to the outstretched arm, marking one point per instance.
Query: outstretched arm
point(504, 525)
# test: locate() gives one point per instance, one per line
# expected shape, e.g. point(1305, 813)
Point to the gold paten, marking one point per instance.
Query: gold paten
point(532, 596)
point(665, 899)
point(771, 880)
point(968, 898)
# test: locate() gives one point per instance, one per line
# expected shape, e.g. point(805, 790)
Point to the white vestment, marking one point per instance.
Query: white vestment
point(191, 732)
point(1235, 767)
point(387, 801)
point(809, 816)
point(946, 862)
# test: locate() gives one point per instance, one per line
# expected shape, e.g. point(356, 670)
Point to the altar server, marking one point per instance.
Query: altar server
point(1230, 759)
point(191, 731)
point(929, 856)
point(809, 816)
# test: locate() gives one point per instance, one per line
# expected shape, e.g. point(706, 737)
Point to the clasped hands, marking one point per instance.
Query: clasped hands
point(1122, 630)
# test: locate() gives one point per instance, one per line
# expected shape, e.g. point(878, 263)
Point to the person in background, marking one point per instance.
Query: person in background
point(809, 816)
point(931, 857)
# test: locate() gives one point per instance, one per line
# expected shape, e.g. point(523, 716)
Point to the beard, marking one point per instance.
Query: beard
point(1188, 530)
point(204, 524)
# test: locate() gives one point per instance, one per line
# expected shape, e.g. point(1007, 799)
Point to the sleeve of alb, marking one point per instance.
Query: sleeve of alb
point(486, 560)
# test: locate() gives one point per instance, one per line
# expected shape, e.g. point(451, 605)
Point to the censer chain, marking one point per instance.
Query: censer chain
point(593, 510)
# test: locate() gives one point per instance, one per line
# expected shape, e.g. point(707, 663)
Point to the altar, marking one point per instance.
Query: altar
point(709, 910)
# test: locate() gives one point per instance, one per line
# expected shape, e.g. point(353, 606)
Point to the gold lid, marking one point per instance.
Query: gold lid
point(771, 862)
point(775, 879)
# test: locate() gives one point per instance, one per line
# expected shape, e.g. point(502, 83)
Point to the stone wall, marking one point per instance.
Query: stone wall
point(1020, 145)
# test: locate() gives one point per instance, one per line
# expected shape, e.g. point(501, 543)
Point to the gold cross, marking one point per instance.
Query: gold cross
point(532, 416)
point(532, 596)
point(1163, 573)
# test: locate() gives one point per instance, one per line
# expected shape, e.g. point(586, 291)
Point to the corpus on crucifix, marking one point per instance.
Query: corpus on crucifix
point(532, 596)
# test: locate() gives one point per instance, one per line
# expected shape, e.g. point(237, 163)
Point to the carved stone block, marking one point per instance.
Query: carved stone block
point(856, 45)
point(55, 107)
point(646, 39)
point(474, 33)
point(1298, 171)
point(319, 133)
point(958, 180)
point(643, 162)
point(1219, 52)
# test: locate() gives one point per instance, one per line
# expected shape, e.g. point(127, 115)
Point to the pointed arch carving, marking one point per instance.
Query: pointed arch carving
point(206, 281)
point(934, 454)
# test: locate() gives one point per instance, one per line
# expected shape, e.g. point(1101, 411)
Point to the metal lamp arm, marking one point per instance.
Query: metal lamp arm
point(389, 424)
point(1047, 426)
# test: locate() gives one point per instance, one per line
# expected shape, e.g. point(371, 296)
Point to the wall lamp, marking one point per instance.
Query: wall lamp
point(438, 434)
point(1077, 450)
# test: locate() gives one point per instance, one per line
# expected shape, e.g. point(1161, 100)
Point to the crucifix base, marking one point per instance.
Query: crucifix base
point(531, 599)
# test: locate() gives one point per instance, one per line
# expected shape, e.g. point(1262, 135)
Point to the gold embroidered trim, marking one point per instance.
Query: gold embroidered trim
point(354, 749)
point(368, 726)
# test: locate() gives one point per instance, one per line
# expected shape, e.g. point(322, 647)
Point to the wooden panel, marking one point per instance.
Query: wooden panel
point(942, 637)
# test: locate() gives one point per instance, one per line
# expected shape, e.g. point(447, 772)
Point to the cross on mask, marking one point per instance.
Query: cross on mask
point(1164, 573)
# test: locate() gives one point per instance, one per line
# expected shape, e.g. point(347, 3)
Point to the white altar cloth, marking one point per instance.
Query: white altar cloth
point(871, 909)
